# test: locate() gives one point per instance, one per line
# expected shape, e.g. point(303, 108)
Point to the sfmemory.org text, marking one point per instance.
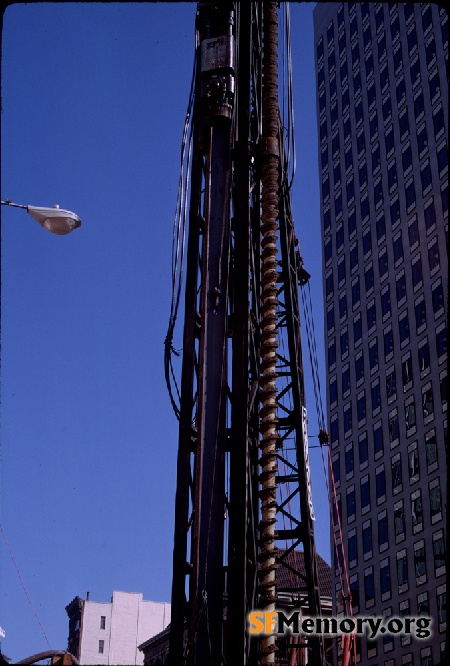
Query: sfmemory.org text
point(278, 622)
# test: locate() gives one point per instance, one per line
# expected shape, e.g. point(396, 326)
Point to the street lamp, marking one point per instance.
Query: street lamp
point(56, 220)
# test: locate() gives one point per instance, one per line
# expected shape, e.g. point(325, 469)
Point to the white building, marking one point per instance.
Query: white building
point(109, 633)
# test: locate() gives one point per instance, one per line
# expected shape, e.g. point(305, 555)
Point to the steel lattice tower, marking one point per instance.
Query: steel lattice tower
point(241, 293)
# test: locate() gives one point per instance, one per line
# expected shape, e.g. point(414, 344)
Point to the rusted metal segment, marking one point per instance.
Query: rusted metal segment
point(269, 344)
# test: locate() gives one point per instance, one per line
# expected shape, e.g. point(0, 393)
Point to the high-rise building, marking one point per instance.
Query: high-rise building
point(382, 104)
point(110, 633)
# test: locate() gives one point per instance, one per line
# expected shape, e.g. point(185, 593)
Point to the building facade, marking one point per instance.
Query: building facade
point(110, 633)
point(382, 104)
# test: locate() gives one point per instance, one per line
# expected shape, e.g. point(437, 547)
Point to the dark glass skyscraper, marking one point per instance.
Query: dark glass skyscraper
point(382, 104)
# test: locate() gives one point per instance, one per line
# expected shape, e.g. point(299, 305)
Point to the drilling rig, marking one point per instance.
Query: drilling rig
point(240, 400)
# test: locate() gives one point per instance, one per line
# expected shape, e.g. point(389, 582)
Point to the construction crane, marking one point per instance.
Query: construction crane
point(241, 397)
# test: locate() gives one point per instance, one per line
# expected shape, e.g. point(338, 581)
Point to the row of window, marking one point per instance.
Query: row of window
point(387, 341)
point(417, 516)
point(416, 278)
point(409, 194)
point(396, 175)
point(353, 22)
point(429, 216)
point(428, 408)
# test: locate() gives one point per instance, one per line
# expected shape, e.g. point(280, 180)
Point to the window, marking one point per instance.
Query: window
point(420, 567)
point(401, 91)
point(442, 158)
point(373, 355)
point(425, 177)
point(366, 41)
point(101, 647)
point(363, 175)
point(339, 244)
point(327, 220)
point(389, 141)
point(360, 143)
point(353, 257)
point(343, 306)
point(385, 580)
point(344, 71)
point(364, 208)
point(416, 511)
point(369, 282)
point(422, 139)
point(319, 49)
point(381, 228)
point(348, 418)
point(371, 94)
point(341, 263)
point(412, 40)
point(388, 340)
point(417, 274)
point(363, 458)
point(404, 123)
point(356, 90)
point(431, 450)
point(399, 521)
point(407, 372)
point(344, 343)
point(357, 330)
point(396, 471)
point(333, 391)
point(430, 52)
point(395, 28)
point(348, 158)
point(437, 297)
point(367, 539)
point(351, 504)
point(424, 356)
point(420, 314)
point(369, 588)
point(361, 406)
point(415, 72)
point(387, 109)
point(334, 431)
point(403, 328)
point(441, 341)
point(346, 380)
point(383, 540)
point(350, 190)
point(435, 501)
point(377, 440)
point(376, 159)
point(435, 85)
point(410, 414)
point(376, 397)
point(367, 241)
point(413, 463)
point(380, 484)
point(393, 428)
point(438, 122)
point(373, 127)
point(413, 232)
point(352, 550)
point(349, 460)
point(328, 250)
point(385, 302)
point(330, 319)
point(392, 176)
point(419, 106)
point(439, 553)
point(398, 58)
point(356, 293)
point(384, 78)
point(398, 248)
point(332, 354)
point(407, 158)
point(426, 18)
point(337, 174)
point(395, 212)
point(103, 622)
point(336, 469)
point(391, 385)
point(351, 223)
point(382, 263)
point(402, 570)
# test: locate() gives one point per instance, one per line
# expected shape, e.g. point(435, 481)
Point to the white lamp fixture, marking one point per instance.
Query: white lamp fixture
point(56, 220)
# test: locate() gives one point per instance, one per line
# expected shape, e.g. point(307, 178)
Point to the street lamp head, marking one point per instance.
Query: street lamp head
point(55, 220)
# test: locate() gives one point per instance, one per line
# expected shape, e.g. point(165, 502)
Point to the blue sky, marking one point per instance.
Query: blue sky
point(93, 103)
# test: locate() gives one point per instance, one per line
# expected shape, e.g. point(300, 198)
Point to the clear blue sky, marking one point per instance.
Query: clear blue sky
point(94, 97)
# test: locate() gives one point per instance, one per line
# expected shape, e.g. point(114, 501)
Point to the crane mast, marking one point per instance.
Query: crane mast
point(241, 294)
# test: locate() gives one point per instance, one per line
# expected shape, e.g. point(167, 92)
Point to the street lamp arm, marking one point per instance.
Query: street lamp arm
point(56, 220)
